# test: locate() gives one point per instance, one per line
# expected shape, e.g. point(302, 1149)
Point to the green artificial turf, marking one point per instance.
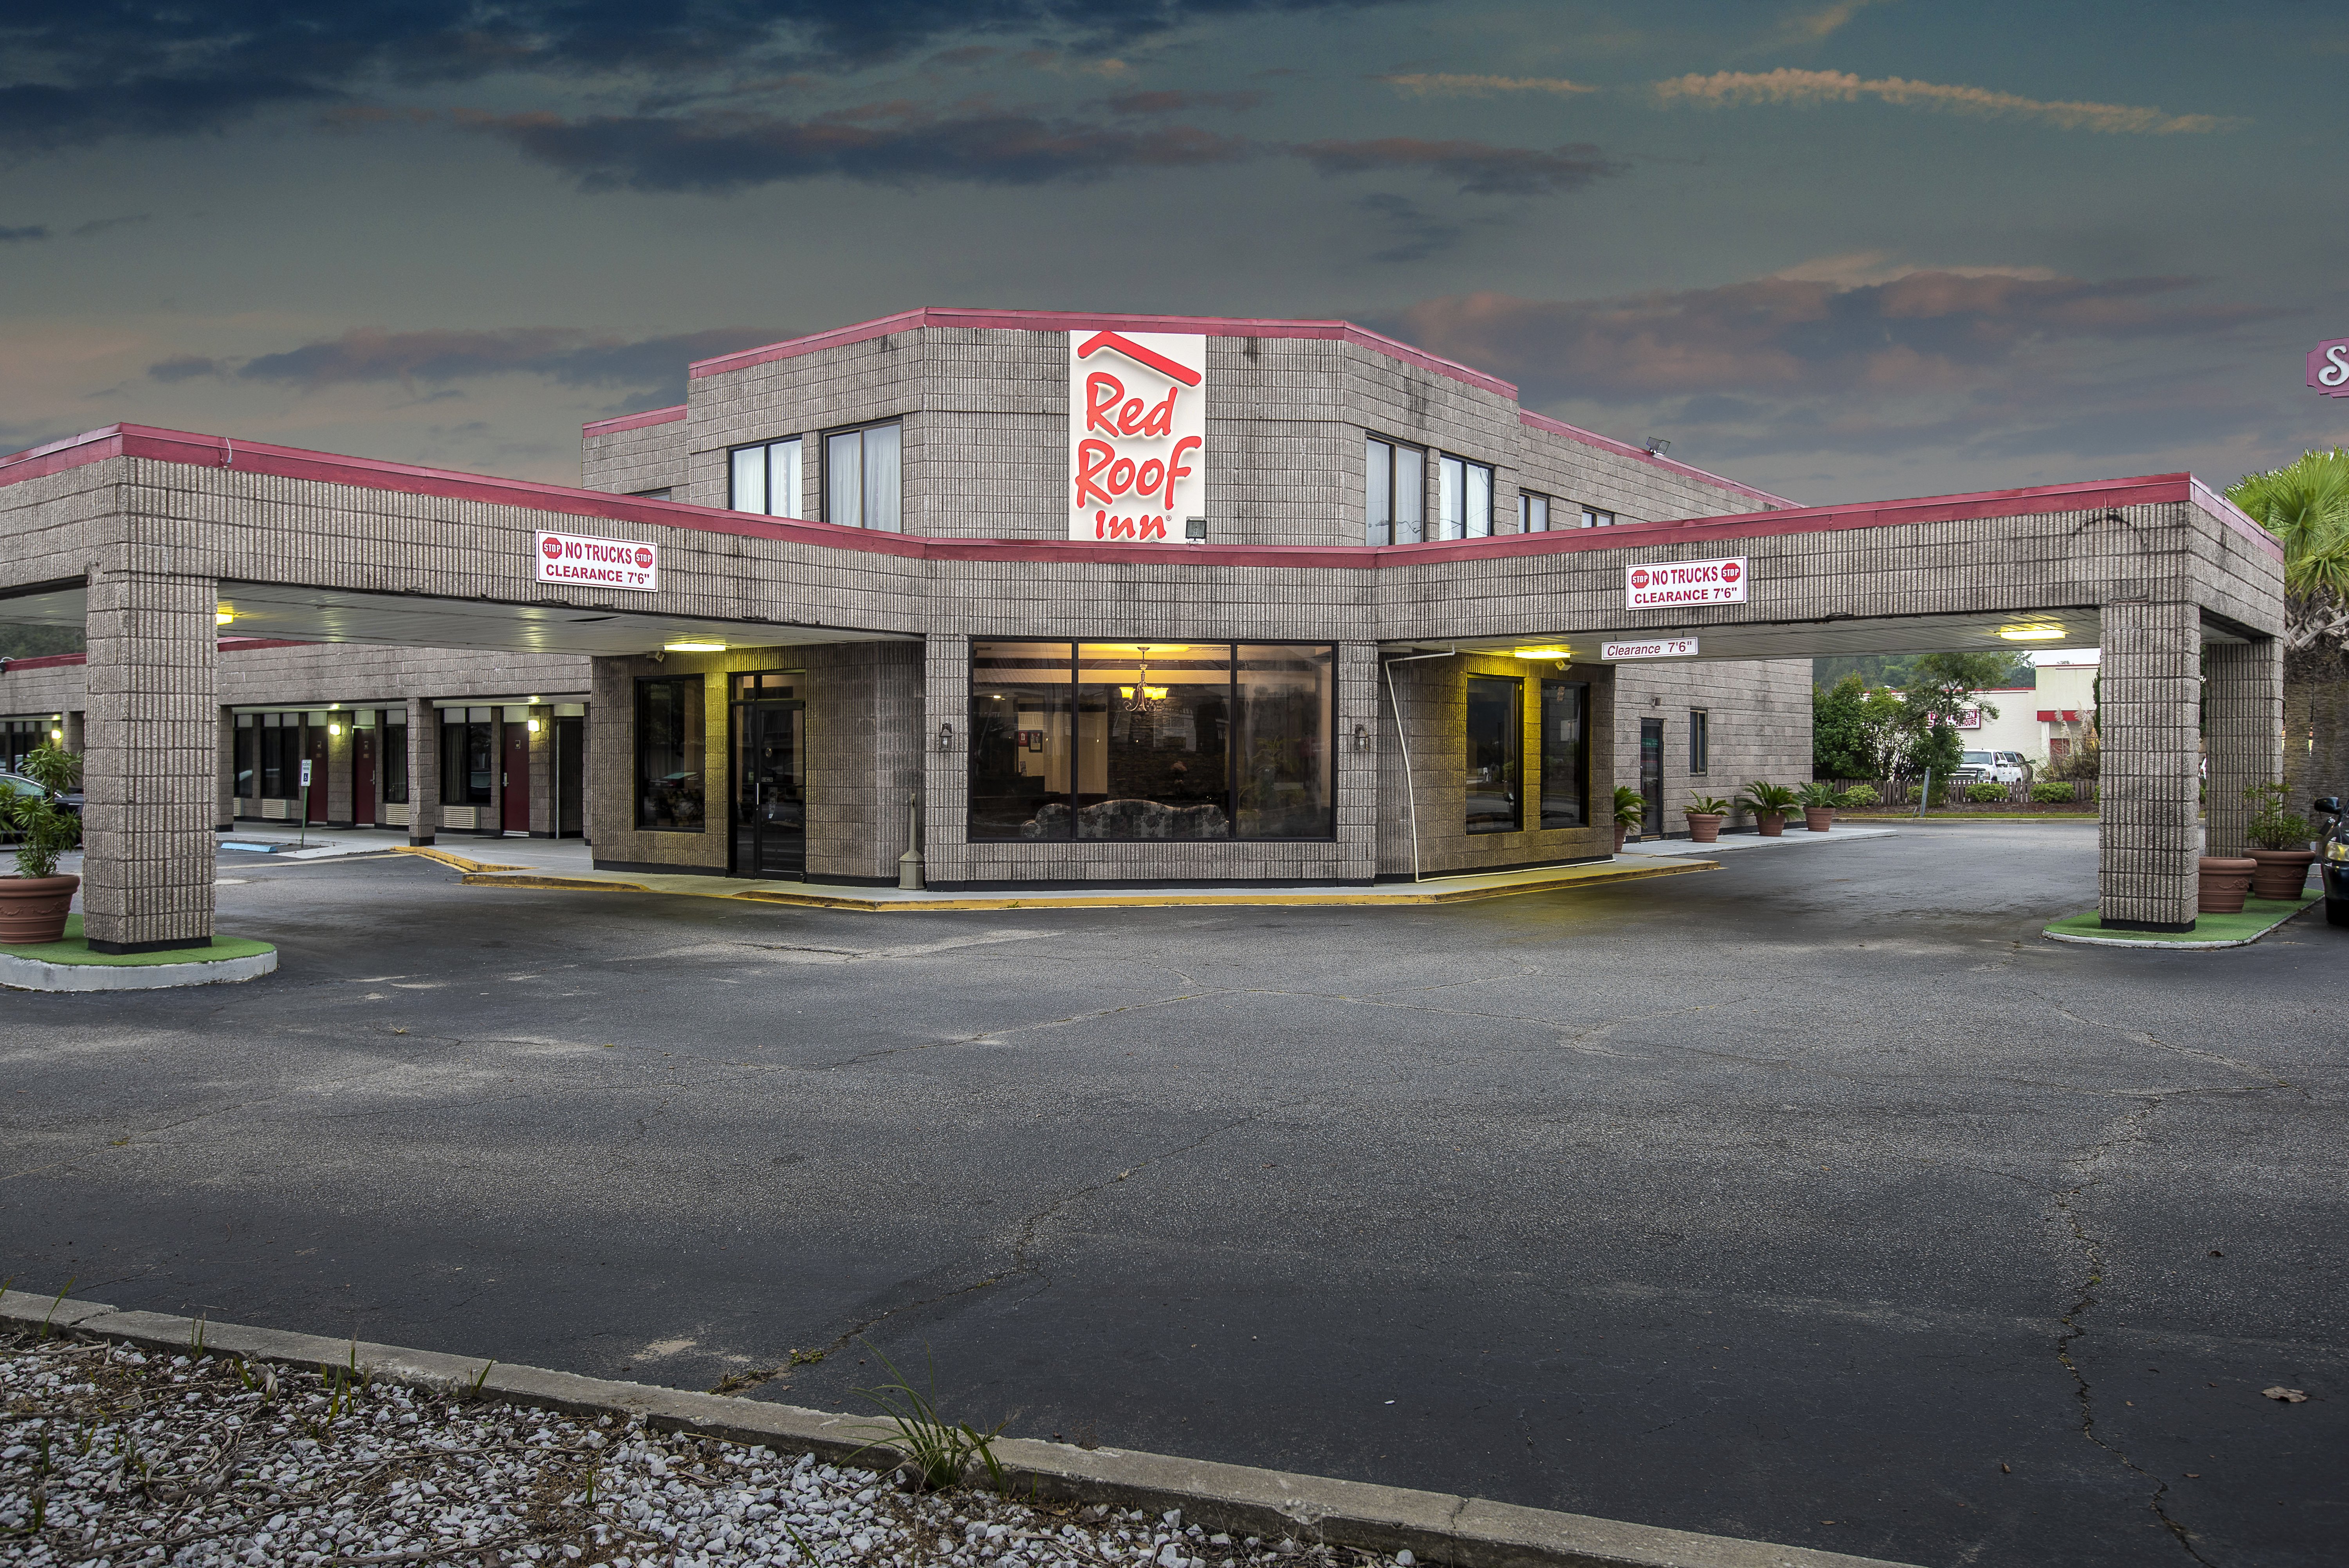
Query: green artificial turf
point(75, 949)
point(2259, 916)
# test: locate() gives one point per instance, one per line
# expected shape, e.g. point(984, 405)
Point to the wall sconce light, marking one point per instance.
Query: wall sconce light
point(58, 737)
point(945, 737)
point(1361, 737)
point(333, 729)
point(534, 726)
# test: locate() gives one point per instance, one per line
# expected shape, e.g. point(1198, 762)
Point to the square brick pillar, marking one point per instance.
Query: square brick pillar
point(2148, 834)
point(1355, 707)
point(946, 769)
point(2242, 716)
point(542, 774)
point(423, 771)
point(338, 768)
point(74, 742)
point(225, 800)
point(151, 770)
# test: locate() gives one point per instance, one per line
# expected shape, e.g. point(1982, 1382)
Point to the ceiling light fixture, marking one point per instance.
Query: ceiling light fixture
point(693, 647)
point(1542, 653)
point(222, 616)
point(2030, 633)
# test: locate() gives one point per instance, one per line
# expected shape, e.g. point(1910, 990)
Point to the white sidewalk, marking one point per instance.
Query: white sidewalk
point(1735, 841)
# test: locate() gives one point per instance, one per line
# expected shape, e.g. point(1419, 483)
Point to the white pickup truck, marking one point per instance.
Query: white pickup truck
point(1995, 767)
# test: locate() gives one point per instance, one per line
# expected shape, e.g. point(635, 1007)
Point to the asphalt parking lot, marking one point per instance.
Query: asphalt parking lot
point(1814, 1199)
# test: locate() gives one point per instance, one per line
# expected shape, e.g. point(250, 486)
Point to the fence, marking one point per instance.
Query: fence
point(1950, 794)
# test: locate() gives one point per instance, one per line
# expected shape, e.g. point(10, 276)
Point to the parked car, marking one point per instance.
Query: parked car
point(17, 784)
point(2332, 860)
point(1992, 767)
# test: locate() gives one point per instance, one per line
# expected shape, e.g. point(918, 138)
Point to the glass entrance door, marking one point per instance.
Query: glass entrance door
point(770, 789)
point(1652, 777)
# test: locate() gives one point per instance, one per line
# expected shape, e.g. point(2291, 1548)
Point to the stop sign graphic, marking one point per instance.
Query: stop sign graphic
point(1638, 579)
point(643, 558)
point(551, 548)
point(1731, 571)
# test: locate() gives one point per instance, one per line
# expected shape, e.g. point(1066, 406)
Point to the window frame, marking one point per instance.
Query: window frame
point(766, 449)
point(1394, 449)
point(1582, 751)
point(1526, 501)
point(1469, 522)
point(1234, 728)
point(1595, 516)
point(698, 703)
point(1700, 755)
point(1514, 733)
point(863, 499)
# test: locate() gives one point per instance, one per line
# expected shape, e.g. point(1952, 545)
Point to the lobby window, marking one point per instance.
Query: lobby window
point(764, 479)
point(280, 755)
point(247, 765)
point(1395, 490)
point(1143, 740)
point(1565, 753)
point(1593, 517)
point(1464, 498)
point(670, 756)
point(395, 756)
point(1495, 755)
point(862, 478)
point(1533, 512)
point(1699, 740)
point(468, 755)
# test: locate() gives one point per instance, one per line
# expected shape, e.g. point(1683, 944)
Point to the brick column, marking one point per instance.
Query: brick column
point(423, 769)
point(338, 768)
point(2242, 717)
point(151, 770)
point(542, 774)
point(2147, 837)
point(946, 773)
point(73, 742)
point(225, 803)
point(1355, 778)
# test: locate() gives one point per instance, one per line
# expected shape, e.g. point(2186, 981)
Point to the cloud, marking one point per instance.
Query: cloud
point(900, 143)
point(18, 236)
point(1449, 84)
point(1726, 90)
point(1928, 328)
point(649, 368)
point(1481, 169)
point(1417, 234)
point(97, 227)
point(1175, 102)
point(83, 71)
point(1810, 27)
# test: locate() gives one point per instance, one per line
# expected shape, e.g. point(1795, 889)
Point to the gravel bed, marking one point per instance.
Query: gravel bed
point(112, 1455)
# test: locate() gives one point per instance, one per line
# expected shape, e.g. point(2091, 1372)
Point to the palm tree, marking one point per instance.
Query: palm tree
point(2305, 505)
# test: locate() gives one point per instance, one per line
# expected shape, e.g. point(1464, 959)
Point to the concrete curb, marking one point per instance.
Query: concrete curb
point(38, 974)
point(1462, 1532)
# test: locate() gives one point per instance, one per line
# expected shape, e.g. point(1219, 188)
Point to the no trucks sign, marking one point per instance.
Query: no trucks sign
point(577, 558)
point(1669, 585)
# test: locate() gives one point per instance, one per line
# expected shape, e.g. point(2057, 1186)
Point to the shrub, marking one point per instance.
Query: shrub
point(43, 828)
point(1766, 799)
point(2274, 827)
point(1631, 807)
point(1986, 793)
point(2054, 792)
point(1818, 797)
point(1857, 796)
point(1707, 806)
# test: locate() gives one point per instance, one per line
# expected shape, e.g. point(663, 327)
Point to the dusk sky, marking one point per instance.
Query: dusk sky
point(1843, 250)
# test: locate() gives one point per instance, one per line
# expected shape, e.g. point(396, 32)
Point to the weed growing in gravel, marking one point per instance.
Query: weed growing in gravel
point(939, 1452)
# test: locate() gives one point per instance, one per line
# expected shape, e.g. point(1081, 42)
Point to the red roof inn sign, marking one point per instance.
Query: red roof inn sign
point(1137, 425)
point(2328, 368)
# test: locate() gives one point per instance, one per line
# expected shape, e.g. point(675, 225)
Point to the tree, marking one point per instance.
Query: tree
point(1941, 686)
point(2305, 505)
point(1842, 745)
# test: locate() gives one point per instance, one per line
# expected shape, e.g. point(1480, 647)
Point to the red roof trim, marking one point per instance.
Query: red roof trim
point(46, 661)
point(635, 422)
point(227, 645)
point(1075, 321)
point(1625, 448)
point(292, 462)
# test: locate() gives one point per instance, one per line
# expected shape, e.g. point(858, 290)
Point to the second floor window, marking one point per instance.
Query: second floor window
point(764, 479)
point(1395, 488)
point(1592, 518)
point(1464, 494)
point(1533, 512)
point(862, 484)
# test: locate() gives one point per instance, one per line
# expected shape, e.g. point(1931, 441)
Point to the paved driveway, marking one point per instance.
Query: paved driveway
point(1813, 1199)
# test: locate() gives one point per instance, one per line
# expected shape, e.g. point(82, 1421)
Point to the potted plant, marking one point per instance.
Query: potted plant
point(34, 903)
point(1705, 816)
point(1630, 810)
point(1769, 803)
point(2283, 857)
point(1819, 802)
point(2223, 880)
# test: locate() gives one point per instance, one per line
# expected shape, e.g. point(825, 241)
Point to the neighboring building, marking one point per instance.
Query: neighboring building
point(2044, 720)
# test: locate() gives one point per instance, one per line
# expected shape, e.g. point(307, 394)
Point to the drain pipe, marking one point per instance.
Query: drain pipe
point(1410, 789)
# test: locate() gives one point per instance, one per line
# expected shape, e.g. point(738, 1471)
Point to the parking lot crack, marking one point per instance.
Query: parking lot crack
point(2086, 1170)
point(2139, 1037)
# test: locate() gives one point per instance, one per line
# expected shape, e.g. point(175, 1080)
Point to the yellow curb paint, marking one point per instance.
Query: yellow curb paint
point(1272, 898)
point(458, 861)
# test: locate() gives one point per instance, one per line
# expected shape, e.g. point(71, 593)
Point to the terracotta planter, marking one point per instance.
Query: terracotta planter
point(1620, 831)
point(2281, 874)
point(1771, 823)
point(33, 910)
point(1818, 818)
point(1704, 827)
point(2224, 883)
